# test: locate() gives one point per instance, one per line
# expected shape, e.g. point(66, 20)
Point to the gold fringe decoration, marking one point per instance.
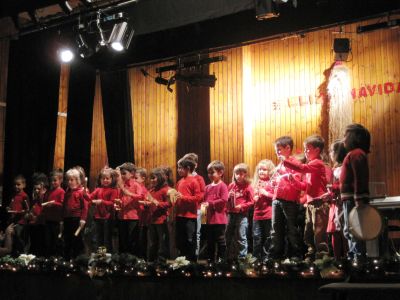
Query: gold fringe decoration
point(340, 103)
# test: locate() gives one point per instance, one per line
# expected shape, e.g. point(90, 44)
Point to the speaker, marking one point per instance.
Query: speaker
point(341, 45)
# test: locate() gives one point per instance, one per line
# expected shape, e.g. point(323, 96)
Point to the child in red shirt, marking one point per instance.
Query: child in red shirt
point(263, 194)
point(315, 189)
point(202, 183)
point(103, 197)
point(75, 209)
point(354, 181)
point(285, 206)
point(188, 199)
point(144, 215)
point(339, 243)
point(18, 207)
point(239, 202)
point(159, 203)
point(52, 213)
point(128, 207)
point(216, 198)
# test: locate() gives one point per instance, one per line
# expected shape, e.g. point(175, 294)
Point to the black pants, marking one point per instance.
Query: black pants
point(261, 238)
point(73, 245)
point(216, 240)
point(103, 233)
point(186, 237)
point(52, 242)
point(126, 235)
point(37, 239)
point(158, 242)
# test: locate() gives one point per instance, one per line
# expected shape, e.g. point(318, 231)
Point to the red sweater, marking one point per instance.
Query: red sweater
point(191, 197)
point(105, 210)
point(216, 195)
point(159, 213)
point(75, 203)
point(130, 204)
point(284, 188)
point(145, 211)
point(263, 206)
point(53, 212)
point(315, 179)
point(201, 182)
point(354, 176)
point(20, 204)
point(244, 195)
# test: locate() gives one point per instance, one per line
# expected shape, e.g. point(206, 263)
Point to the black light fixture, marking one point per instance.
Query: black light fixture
point(341, 47)
point(84, 49)
point(121, 36)
point(266, 9)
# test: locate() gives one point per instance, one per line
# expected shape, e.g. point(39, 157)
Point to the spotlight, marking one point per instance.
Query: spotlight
point(121, 36)
point(266, 9)
point(341, 47)
point(66, 55)
point(83, 48)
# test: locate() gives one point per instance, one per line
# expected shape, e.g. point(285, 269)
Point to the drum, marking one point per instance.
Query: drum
point(203, 211)
point(365, 223)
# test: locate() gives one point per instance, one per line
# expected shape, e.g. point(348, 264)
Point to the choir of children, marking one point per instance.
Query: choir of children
point(152, 218)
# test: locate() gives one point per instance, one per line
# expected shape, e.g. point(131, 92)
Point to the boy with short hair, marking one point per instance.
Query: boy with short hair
point(284, 205)
point(315, 189)
point(188, 199)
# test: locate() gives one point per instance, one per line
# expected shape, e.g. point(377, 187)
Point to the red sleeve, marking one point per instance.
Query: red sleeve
point(196, 193)
point(311, 167)
point(220, 203)
point(136, 192)
point(59, 198)
point(113, 194)
point(94, 195)
point(84, 202)
point(250, 199)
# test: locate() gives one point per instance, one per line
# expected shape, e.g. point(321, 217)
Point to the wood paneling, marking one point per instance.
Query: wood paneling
point(4, 50)
point(154, 116)
point(226, 111)
point(59, 150)
point(98, 149)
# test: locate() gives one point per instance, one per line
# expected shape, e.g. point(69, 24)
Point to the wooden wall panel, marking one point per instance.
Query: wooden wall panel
point(154, 116)
point(98, 150)
point(4, 50)
point(226, 111)
point(59, 150)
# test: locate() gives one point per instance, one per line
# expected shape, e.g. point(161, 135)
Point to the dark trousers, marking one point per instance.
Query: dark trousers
point(73, 245)
point(52, 242)
point(37, 239)
point(261, 238)
point(186, 238)
point(126, 235)
point(103, 232)
point(158, 241)
point(216, 241)
point(284, 216)
point(20, 239)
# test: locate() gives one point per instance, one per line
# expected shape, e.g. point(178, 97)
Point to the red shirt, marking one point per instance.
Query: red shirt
point(159, 213)
point(19, 204)
point(244, 195)
point(144, 212)
point(201, 182)
point(263, 206)
point(315, 179)
point(284, 188)
point(105, 210)
point(216, 195)
point(75, 203)
point(53, 212)
point(191, 197)
point(130, 204)
point(354, 176)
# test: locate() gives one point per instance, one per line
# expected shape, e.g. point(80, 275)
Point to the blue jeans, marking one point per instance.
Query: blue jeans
point(198, 232)
point(356, 248)
point(284, 215)
point(261, 238)
point(236, 238)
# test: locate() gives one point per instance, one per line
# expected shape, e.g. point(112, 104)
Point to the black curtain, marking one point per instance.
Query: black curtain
point(117, 116)
point(194, 122)
point(79, 115)
point(32, 101)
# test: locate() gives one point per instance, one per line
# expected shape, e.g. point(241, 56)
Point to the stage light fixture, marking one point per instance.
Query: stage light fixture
point(121, 36)
point(161, 80)
point(83, 48)
point(266, 9)
point(66, 55)
point(341, 47)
